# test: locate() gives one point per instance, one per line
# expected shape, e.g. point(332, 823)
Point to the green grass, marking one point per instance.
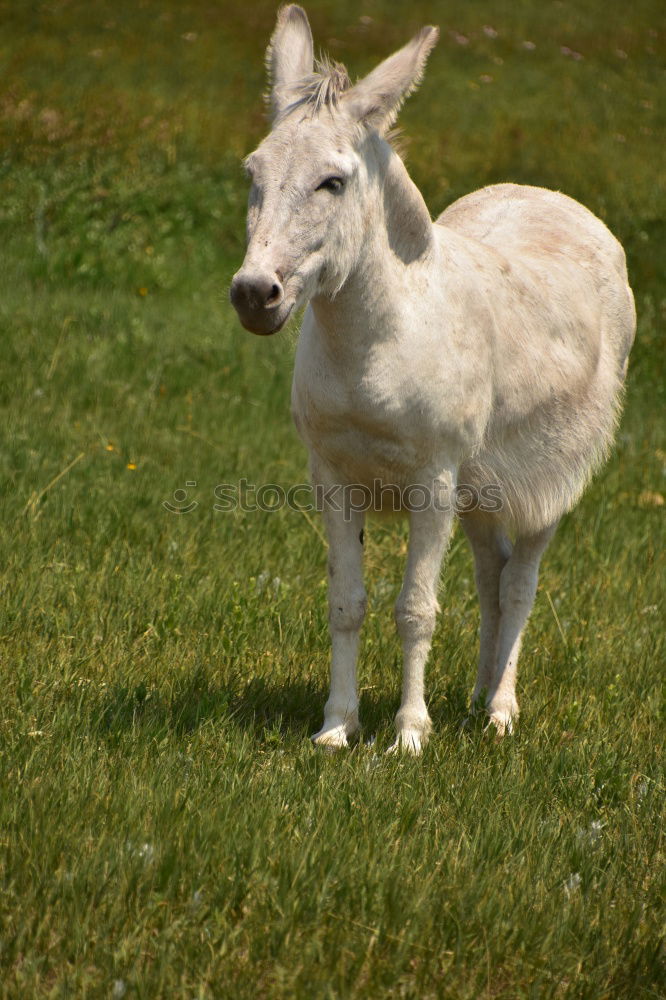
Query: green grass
point(166, 828)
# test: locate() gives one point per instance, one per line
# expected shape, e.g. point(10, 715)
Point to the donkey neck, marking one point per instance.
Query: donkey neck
point(398, 243)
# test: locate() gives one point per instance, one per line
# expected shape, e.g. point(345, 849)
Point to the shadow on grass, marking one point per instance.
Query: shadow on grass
point(262, 706)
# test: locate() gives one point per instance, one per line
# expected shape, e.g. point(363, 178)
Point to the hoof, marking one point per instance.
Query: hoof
point(497, 723)
point(333, 738)
point(501, 722)
point(409, 741)
point(502, 711)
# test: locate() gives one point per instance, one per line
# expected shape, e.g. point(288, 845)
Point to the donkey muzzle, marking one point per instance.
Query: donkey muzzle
point(258, 298)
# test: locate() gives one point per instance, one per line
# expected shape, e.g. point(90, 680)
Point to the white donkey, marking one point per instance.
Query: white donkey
point(486, 349)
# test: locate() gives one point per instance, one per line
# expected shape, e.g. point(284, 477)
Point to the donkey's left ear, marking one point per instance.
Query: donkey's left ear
point(290, 54)
point(376, 99)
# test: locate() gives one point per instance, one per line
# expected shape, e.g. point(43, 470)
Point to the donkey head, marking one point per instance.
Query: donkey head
point(314, 176)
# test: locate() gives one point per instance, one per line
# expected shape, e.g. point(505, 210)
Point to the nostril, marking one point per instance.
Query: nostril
point(275, 295)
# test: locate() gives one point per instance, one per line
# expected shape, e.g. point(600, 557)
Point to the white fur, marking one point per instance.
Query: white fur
point(487, 348)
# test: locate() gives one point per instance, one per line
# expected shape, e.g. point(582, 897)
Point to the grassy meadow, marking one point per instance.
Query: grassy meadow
point(166, 828)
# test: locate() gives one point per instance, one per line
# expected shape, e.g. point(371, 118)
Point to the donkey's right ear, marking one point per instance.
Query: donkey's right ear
point(290, 55)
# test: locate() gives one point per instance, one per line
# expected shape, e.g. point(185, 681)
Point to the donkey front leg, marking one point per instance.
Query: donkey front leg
point(347, 601)
point(415, 614)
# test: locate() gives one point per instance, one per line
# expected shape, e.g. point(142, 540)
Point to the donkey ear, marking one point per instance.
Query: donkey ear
point(376, 99)
point(290, 54)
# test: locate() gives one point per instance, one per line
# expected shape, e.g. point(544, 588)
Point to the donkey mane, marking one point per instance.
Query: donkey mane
point(321, 89)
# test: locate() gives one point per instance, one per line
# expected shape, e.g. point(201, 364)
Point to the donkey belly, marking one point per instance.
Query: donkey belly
point(542, 463)
point(565, 321)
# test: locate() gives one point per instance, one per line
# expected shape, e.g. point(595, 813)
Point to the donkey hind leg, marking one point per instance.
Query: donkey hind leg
point(491, 549)
point(347, 602)
point(517, 589)
point(415, 613)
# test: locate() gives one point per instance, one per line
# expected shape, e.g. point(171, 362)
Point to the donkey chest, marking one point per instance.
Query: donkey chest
point(376, 420)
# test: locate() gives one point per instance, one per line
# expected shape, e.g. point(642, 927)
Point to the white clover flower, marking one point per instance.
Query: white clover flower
point(592, 835)
point(572, 883)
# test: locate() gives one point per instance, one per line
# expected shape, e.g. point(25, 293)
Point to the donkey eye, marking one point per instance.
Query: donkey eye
point(333, 184)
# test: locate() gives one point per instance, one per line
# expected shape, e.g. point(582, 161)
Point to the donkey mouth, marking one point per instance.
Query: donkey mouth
point(268, 323)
